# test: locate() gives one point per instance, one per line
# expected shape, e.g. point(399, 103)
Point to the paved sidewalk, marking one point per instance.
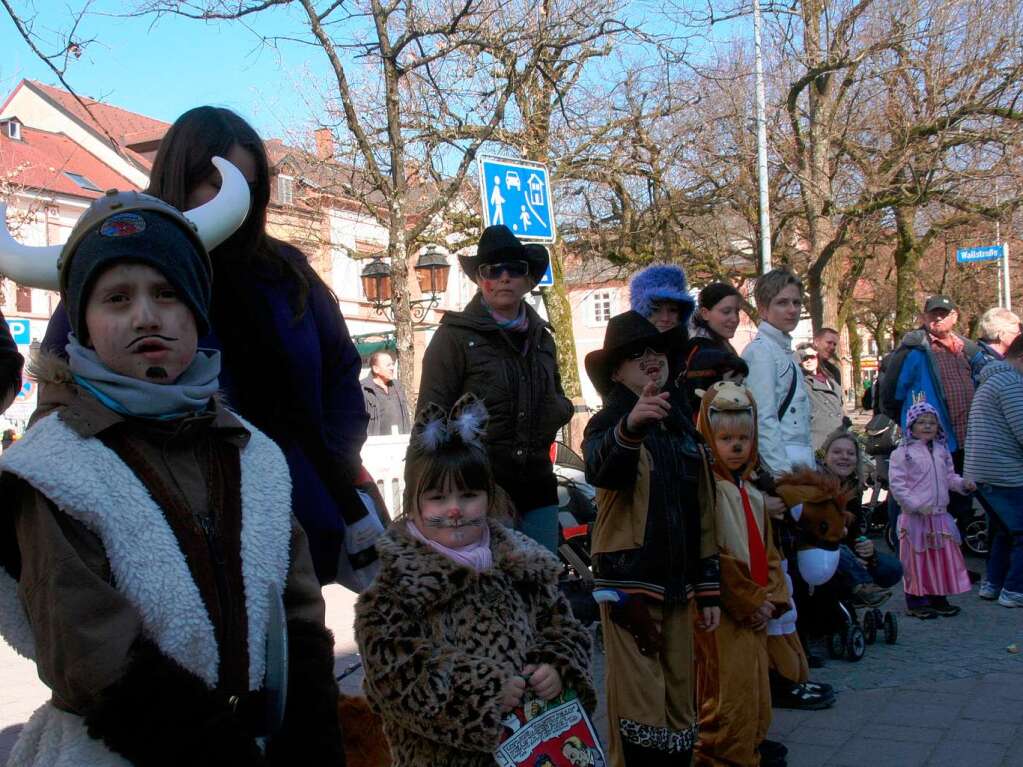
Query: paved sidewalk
point(948, 693)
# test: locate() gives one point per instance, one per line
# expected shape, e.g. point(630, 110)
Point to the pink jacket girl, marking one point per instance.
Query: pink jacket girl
point(920, 477)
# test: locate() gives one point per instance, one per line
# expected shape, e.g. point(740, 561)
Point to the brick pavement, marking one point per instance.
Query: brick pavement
point(948, 693)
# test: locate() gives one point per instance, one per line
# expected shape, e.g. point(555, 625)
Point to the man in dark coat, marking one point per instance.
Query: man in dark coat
point(385, 399)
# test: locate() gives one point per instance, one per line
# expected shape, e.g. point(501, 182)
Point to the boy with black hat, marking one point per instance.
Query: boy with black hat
point(150, 559)
point(653, 545)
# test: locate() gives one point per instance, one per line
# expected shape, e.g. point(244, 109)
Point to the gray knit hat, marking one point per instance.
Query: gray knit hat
point(153, 237)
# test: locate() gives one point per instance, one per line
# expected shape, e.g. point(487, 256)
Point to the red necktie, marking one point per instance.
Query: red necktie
point(757, 552)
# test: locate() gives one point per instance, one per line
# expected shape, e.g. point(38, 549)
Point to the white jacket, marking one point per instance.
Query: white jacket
point(783, 444)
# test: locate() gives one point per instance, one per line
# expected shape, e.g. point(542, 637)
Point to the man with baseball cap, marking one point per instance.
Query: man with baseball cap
point(936, 364)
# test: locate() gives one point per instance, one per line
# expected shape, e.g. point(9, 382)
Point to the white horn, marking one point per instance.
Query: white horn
point(34, 267)
point(219, 218)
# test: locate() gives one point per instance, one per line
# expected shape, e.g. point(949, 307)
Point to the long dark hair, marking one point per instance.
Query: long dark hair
point(184, 161)
point(710, 296)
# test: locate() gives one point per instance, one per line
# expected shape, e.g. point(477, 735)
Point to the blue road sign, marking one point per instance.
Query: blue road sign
point(21, 330)
point(548, 278)
point(983, 253)
point(517, 193)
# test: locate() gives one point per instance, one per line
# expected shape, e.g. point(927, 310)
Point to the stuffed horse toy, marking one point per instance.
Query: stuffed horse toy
point(822, 523)
point(363, 733)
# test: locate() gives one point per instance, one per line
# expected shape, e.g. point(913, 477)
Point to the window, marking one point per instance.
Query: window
point(13, 130)
point(602, 306)
point(82, 181)
point(285, 190)
point(23, 299)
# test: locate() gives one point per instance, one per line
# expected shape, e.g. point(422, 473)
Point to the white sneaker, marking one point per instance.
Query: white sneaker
point(1010, 598)
point(987, 591)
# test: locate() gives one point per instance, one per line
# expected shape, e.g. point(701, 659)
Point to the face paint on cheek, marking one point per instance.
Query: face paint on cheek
point(488, 285)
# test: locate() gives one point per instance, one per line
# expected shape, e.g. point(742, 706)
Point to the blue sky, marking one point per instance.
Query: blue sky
point(162, 68)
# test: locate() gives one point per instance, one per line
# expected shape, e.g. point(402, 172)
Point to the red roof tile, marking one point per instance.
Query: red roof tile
point(124, 126)
point(40, 160)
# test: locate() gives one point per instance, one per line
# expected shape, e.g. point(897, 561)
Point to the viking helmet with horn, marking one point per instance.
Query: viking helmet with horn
point(209, 224)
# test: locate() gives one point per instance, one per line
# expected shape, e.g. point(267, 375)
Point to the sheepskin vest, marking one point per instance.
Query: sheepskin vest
point(91, 484)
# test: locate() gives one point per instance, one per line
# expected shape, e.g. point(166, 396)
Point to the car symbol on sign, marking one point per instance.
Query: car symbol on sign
point(511, 180)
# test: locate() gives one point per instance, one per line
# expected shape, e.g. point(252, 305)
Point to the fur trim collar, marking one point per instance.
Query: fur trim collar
point(92, 485)
point(416, 571)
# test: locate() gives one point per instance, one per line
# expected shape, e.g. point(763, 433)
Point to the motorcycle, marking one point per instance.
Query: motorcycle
point(577, 511)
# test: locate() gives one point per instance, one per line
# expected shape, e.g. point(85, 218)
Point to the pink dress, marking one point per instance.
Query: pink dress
point(920, 477)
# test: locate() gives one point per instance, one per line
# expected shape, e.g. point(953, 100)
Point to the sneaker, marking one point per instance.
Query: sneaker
point(987, 591)
point(1010, 598)
point(949, 611)
point(923, 613)
point(799, 696)
point(822, 687)
point(772, 754)
point(869, 594)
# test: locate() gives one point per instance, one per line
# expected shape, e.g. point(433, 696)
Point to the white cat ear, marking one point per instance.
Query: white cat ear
point(469, 419)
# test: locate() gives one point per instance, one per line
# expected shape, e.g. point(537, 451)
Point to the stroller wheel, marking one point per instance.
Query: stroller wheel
point(891, 628)
point(870, 626)
point(836, 644)
point(855, 644)
point(891, 537)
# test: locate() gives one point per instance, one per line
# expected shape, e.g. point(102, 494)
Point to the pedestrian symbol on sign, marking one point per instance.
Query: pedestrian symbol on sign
point(517, 194)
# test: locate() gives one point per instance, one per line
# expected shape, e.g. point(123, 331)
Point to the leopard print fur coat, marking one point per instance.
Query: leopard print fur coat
point(438, 642)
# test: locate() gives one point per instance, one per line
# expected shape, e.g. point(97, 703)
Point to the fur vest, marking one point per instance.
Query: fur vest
point(89, 483)
point(439, 641)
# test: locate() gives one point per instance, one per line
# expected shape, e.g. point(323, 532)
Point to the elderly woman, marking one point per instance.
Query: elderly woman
point(502, 351)
point(998, 328)
point(866, 572)
point(465, 619)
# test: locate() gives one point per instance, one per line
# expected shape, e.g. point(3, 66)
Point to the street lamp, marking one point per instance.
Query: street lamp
point(431, 272)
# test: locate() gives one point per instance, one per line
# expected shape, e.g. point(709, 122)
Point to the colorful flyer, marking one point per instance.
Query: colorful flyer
point(554, 733)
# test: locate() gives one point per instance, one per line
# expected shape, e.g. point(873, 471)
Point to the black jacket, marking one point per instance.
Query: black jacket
point(519, 384)
point(10, 367)
point(678, 557)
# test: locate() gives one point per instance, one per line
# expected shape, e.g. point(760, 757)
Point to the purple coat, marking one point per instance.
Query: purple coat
point(920, 478)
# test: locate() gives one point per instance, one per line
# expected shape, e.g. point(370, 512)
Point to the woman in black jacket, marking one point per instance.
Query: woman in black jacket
point(502, 351)
point(710, 356)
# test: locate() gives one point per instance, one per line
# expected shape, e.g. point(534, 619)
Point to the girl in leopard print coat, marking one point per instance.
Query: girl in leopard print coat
point(464, 614)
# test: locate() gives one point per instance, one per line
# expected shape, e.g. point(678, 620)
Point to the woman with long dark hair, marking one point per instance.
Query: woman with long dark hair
point(289, 364)
point(710, 356)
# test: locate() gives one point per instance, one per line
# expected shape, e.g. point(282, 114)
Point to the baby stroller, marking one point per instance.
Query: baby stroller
point(829, 612)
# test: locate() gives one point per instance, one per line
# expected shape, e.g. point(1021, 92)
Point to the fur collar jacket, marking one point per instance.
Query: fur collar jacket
point(439, 641)
point(139, 582)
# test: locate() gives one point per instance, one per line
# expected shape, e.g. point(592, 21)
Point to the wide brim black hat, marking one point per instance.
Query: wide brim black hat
point(626, 333)
point(498, 243)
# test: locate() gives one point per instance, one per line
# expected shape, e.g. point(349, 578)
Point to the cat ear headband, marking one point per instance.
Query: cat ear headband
point(467, 422)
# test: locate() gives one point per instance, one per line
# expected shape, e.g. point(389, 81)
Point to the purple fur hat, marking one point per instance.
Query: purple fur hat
point(661, 282)
point(917, 410)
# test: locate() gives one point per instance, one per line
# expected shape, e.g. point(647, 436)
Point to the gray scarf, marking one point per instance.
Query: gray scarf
point(135, 397)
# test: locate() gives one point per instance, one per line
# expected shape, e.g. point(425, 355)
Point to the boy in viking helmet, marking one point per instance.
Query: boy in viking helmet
point(150, 560)
point(732, 664)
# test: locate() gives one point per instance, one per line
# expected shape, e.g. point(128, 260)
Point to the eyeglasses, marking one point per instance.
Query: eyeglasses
point(513, 268)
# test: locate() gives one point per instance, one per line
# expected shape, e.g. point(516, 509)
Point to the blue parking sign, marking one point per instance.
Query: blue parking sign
point(517, 193)
point(21, 330)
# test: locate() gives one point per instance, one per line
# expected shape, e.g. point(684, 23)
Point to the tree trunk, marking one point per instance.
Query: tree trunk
point(907, 261)
point(559, 310)
point(856, 352)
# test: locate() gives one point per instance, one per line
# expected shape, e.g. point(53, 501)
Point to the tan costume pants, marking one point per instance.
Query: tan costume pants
point(651, 708)
point(787, 657)
point(734, 694)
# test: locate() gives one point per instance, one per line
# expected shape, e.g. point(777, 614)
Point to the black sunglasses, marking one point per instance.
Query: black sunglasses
point(513, 268)
point(641, 353)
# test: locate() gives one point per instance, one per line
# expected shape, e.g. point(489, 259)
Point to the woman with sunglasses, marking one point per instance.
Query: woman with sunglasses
point(502, 351)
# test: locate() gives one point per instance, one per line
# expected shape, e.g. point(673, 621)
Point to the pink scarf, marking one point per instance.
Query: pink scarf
point(475, 556)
